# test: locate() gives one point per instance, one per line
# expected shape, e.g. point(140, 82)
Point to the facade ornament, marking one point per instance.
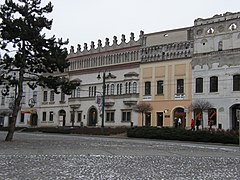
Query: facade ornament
point(92, 45)
point(99, 43)
point(132, 36)
point(85, 46)
point(72, 50)
point(123, 38)
point(107, 42)
point(114, 39)
point(79, 48)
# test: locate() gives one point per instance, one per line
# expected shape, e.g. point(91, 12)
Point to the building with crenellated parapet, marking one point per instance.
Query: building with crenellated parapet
point(216, 69)
point(122, 61)
point(170, 69)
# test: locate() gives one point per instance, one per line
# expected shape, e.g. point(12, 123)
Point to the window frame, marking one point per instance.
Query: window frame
point(160, 87)
point(213, 84)
point(199, 85)
point(110, 116)
point(147, 88)
point(180, 86)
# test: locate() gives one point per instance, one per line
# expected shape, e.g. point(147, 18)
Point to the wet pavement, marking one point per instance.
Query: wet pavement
point(55, 156)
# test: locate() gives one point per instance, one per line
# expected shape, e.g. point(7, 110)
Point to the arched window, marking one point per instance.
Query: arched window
point(134, 87)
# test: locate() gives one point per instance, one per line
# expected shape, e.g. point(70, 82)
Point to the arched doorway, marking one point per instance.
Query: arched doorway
point(92, 116)
point(62, 117)
point(235, 116)
point(179, 118)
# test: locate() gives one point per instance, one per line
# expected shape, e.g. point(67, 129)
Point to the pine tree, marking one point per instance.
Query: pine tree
point(28, 53)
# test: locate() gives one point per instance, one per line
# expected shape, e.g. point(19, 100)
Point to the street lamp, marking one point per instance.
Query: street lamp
point(104, 77)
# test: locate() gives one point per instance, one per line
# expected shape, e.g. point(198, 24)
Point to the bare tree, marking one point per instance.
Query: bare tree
point(201, 105)
point(143, 107)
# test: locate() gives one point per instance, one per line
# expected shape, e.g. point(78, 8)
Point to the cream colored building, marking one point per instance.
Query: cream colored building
point(166, 77)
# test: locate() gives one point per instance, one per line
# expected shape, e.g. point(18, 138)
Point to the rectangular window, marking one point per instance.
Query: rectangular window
point(214, 84)
point(51, 116)
point(35, 96)
point(126, 116)
point(110, 116)
point(79, 117)
point(159, 87)
point(44, 116)
point(51, 96)
point(147, 88)
point(22, 118)
point(45, 94)
point(199, 85)
point(23, 98)
point(62, 97)
point(236, 83)
point(180, 86)
point(3, 100)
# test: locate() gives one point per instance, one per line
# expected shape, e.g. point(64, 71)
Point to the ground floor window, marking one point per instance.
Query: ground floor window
point(160, 119)
point(22, 118)
point(212, 117)
point(110, 116)
point(51, 116)
point(44, 116)
point(126, 116)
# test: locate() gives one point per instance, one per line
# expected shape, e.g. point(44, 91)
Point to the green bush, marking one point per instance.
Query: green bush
point(214, 136)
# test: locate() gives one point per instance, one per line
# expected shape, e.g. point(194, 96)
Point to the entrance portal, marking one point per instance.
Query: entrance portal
point(62, 117)
point(235, 116)
point(179, 118)
point(92, 117)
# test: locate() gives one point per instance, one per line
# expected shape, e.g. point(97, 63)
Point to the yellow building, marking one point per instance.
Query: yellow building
point(166, 78)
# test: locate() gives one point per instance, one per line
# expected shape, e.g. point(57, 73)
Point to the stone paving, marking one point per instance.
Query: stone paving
point(53, 156)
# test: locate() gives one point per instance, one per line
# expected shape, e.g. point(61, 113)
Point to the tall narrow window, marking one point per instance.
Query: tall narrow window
point(44, 116)
point(120, 91)
point(107, 89)
point(236, 83)
point(51, 96)
point(89, 91)
point(78, 91)
point(160, 87)
point(214, 84)
point(112, 89)
point(35, 96)
point(22, 118)
point(117, 89)
point(180, 86)
point(62, 97)
point(199, 85)
point(147, 88)
point(3, 100)
point(45, 93)
point(134, 87)
point(129, 88)
point(126, 88)
point(23, 101)
point(51, 116)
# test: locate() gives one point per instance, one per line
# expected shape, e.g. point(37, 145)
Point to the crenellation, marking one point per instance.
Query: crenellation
point(108, 47)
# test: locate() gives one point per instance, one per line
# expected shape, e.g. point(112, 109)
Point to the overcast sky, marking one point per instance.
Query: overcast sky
point(89, 20)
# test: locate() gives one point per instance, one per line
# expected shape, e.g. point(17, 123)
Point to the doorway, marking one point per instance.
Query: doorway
point(92, 117)
point(179, 119)
point(160, 119)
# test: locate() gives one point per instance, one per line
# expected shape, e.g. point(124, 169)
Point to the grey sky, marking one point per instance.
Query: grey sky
point(89, 20)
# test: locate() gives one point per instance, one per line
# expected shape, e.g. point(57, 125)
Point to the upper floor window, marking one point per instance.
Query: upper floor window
point(212, 116)
point(110, 116)
point(51, 116)
point(214, 84)
point(160, 87)
point(112, 89)
point(78, 92)
point(199, 85)
point(129, 87)
point(107, 89)
point(35, 96)
point(120, 89)
point(126, 87)
point(62, 97)
point(23, 101)
point(3, 100)
point(45, 93)
point(126, 116)
point(134, 87)
point(180, 86)
point(236, 82)
point(220, 46)
point(148, 88)
point(51, 95)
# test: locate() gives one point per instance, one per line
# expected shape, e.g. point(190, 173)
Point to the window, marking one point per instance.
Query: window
point(180, 86)
point(126, 88)
point(212, 116)
point(79, 117)
point(160, 87)
point(134, 87)
point(110, 116)
point(220, 46)
point(147, 88)
point(35, 96)
point(78, 91)
point(107, 89)
point(214, 84)
point(129, 87)
point(51, 96)
point(23, 101)
point(45, 93)
point(22, 118)
point(236, 83)
point(199, 85)
point(72, 116)
point(112, 89)
point(51, 116)
point(3, 100)
point(62, 97)
point(44, 116)
point(89, 92)
point(118, 89)
point(126, 116)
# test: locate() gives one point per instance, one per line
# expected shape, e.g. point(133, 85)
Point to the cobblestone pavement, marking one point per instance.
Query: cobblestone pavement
point(53, 156)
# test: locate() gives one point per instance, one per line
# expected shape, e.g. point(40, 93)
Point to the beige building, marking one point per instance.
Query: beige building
point(166, 77)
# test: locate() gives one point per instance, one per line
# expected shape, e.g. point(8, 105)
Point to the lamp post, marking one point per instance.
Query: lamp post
point(104, 77)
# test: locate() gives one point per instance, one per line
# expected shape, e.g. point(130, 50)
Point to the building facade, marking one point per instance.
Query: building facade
point(216, 69)
point(165, 78)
